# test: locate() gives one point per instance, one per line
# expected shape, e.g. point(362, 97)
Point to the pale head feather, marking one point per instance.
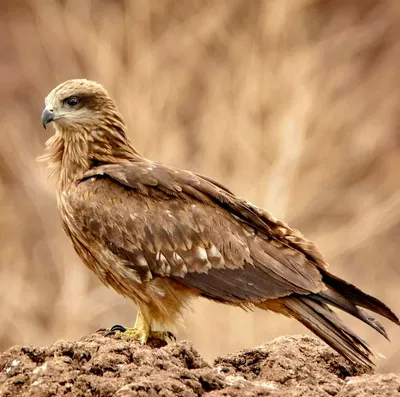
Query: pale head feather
point(89, 133)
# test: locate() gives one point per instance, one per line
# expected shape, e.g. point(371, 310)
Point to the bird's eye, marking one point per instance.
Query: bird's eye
point(72, 101)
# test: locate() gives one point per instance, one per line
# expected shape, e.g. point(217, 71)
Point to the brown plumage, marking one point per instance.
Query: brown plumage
point(161, 236)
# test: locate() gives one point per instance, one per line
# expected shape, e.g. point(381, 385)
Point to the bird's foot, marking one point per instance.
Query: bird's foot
point(143, 335)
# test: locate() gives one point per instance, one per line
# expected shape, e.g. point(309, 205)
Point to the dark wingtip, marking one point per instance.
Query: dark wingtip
point(358, 297)
point(333, 297)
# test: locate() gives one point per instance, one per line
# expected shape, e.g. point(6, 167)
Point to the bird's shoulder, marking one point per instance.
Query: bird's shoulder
point(151, 178)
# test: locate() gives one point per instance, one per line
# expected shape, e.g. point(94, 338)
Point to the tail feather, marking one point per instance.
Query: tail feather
point(334, 298)
point(313, 311)
point(321, 320)
point(359, 298)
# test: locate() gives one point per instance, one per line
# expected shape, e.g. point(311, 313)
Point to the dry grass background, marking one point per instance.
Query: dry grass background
point(293, 104)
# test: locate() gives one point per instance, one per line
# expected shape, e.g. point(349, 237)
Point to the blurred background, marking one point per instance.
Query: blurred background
point(293, 104)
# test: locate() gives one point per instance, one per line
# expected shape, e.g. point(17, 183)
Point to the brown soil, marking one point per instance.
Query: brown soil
point(109, 366)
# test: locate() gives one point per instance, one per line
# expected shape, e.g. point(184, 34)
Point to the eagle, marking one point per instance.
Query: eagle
point(162, 236)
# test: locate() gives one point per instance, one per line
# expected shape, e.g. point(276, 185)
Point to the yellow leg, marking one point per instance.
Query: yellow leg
point(141, 331)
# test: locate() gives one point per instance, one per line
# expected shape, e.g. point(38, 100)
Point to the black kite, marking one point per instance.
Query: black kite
point(161, 236)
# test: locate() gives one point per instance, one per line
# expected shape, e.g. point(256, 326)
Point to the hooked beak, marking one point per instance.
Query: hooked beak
point(47, 117)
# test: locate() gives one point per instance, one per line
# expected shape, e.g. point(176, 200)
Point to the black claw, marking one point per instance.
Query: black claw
point(101, 330)
point(116, 328)
point(171, 336)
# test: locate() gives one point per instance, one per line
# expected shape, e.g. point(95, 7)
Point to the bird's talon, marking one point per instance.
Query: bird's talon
point(113, 330)
point(140, 335)
point(171, 336)
point(162, 335)
point(128, 333)
point(119, 328)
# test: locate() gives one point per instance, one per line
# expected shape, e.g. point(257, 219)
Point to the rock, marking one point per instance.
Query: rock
point(109, 366)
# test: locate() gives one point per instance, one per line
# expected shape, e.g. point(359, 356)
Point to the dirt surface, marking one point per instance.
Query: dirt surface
point(109, 366)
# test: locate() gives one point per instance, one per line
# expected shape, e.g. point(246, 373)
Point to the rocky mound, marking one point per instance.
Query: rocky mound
point(109, 366)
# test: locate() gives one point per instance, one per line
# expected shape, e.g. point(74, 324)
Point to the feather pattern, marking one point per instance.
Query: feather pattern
point(162, 236)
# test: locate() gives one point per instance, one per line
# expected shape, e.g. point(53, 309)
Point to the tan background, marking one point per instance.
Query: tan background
point(293, 104)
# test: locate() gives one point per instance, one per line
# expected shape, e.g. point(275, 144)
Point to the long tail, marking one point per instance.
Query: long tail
point(313, 311)
point(344, 291)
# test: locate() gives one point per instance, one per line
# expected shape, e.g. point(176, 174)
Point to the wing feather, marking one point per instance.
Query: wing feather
point(178, 224)
point(171, 181)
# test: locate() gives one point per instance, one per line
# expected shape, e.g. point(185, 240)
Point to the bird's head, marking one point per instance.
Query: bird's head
point(89, 128)
point(80, 104)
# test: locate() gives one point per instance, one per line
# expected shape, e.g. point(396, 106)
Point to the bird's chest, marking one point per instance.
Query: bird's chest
point(85, 224)
point(72, 218)
point(74, 226)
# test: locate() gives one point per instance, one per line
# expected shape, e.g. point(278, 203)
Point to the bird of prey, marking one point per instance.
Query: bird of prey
point(162, 236)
